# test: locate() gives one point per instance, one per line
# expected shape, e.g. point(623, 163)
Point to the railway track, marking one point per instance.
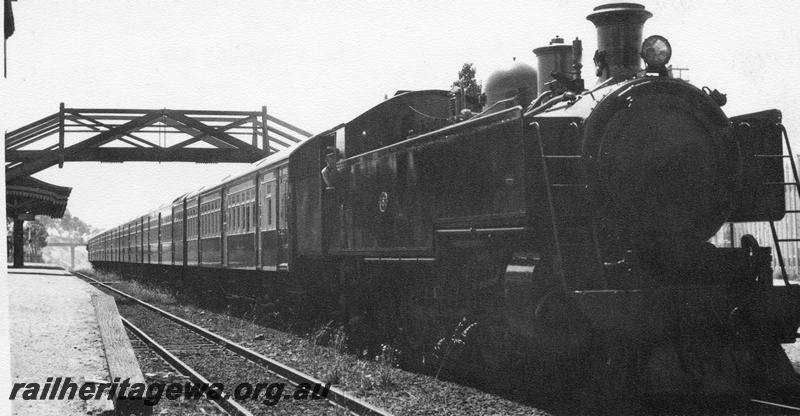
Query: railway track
point(189, 340)
point(225, 403)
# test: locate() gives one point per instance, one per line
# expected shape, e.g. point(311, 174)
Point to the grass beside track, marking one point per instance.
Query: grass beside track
point(132, 287)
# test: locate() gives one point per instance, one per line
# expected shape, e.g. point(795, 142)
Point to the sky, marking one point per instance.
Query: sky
point(318, 64)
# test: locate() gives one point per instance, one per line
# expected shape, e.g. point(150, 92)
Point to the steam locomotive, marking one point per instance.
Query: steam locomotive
point(570, 224)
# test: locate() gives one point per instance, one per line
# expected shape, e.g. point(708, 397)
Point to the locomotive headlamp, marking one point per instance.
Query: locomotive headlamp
point(656, 51)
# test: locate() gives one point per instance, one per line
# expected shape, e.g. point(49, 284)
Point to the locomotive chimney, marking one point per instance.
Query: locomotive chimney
point(619, 39)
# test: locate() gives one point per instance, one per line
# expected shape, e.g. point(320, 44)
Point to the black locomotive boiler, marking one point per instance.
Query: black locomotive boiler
point(570, 224)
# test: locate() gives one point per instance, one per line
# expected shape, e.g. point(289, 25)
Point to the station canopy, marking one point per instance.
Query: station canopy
point(28, 197)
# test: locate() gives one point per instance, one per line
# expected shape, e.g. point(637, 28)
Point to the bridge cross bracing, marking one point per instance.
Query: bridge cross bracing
point(120, 135)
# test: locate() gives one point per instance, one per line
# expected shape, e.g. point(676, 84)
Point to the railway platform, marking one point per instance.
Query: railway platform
point(61, 327)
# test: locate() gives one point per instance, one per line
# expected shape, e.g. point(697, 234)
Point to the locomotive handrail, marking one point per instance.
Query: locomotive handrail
point(557, 266)
point(791, 157)
point(786, 140)
point(498, 117)
point(576, 129)
point(776, 239)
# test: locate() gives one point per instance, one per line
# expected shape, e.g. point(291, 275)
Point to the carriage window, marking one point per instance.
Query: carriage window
point(282, 208)
point(247, 218)
point(262, 210)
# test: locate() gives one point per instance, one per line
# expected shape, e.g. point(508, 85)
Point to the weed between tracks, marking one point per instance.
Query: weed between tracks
point(445, 346)
point(345, 369)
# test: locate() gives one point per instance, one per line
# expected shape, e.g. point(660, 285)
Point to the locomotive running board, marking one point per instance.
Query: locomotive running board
point(484, 230)
point(658, 313)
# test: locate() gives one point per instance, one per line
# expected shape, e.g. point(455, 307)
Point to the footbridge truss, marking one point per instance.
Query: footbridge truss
point(122, 135)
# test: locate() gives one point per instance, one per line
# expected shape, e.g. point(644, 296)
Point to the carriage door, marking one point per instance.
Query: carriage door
point(223, 224)
point(160, 241)
point(283, 203)
point(268, 204)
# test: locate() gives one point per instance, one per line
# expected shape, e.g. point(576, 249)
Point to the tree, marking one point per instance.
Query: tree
point(68, 226)
point(472, 89)
point(37, 236)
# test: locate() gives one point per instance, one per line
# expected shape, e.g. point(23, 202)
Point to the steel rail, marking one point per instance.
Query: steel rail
point(778, 405)
point(222, 400)
point(336, 396)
